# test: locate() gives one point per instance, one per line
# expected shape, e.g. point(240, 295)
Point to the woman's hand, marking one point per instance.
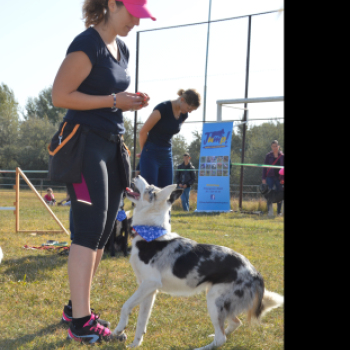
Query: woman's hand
point(145, 98)
point(127, 101)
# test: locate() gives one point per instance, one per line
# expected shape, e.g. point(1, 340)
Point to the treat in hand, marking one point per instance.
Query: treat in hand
point(145, 98)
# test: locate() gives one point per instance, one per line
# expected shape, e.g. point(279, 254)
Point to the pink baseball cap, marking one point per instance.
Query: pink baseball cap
point(138, 8)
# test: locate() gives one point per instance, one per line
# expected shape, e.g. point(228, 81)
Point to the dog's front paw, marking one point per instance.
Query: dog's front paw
point(120, 336)
point(135, 343)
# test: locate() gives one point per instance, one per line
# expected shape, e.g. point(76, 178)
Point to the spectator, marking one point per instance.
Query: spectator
point(49, 197)
point(91, 84)
point(185, 179)
point(156, 163)
point(66, 200)
point(271, 176)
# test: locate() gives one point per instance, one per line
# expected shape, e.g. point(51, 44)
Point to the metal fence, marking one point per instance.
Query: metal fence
point(232, 58)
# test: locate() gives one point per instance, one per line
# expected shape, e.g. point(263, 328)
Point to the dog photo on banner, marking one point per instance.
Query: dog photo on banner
point(214, 168)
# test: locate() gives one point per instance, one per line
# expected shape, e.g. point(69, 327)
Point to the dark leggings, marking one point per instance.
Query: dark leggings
point(93, 223)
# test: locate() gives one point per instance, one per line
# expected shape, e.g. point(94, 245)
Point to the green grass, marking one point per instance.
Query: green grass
point(34, 283)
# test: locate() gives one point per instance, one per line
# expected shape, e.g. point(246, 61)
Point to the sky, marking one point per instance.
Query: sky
point(34, 37)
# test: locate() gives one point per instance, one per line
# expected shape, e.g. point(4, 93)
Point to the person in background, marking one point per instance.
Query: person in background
point(184, 179)
point(155, 137)
point(91, 84)
point(271, 176)
point(49, 197)
point(67, 202)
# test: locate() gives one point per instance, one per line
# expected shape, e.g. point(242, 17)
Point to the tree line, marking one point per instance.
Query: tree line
point(24, 139)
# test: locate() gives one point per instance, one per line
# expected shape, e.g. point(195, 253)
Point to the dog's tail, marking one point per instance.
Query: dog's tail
point(261, 306)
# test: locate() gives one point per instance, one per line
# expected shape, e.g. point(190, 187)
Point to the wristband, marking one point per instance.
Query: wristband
point(114, 100)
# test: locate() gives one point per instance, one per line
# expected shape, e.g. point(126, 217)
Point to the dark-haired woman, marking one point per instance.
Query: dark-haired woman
point(91, 84)
point(156, 163)
point(271, 176)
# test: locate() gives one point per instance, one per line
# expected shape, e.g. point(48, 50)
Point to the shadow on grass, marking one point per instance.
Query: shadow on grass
point(192, 213)
point(22, 340)
point(13, 344)
point(238, 347)
point(35, 267)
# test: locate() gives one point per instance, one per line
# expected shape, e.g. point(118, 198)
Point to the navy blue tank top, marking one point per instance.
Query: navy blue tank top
point(167, 126)
point(107, 76)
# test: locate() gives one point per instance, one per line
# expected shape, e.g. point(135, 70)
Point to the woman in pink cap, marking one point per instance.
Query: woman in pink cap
point(91, 84)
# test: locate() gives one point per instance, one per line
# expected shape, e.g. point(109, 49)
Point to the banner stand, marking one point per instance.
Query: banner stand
point(213, 194)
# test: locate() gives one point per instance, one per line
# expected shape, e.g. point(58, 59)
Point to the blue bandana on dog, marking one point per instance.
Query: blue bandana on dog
point(121, 215)
point(149, 233)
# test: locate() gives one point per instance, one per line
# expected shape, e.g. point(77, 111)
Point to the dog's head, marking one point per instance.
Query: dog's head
point(152, 204)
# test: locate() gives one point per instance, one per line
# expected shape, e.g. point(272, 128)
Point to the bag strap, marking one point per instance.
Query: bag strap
point(273, 163)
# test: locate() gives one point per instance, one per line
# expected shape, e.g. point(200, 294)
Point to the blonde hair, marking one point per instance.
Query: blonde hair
point(191, 96)
point(95, 11)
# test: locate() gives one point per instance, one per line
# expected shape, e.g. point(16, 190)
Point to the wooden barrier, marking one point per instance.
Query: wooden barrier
point(19, 173)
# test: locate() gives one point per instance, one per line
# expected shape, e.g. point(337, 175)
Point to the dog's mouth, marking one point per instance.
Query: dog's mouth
point(134, 193)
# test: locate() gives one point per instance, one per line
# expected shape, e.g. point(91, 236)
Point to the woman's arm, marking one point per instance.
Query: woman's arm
point(152, 120)
point(74, 70)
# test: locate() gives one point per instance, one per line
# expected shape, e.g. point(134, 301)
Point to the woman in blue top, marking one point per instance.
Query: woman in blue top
point(91, 84)
point(156, 163)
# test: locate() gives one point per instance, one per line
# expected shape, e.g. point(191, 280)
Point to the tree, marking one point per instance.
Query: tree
point(129, 138)
point(257, 143)
point(41, 107)
point(195, 148)
point(179, 147)
point(34, 137)
point(9, 123)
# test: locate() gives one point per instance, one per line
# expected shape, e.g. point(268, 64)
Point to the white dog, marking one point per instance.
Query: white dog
point(164, 261)
point(1, 255)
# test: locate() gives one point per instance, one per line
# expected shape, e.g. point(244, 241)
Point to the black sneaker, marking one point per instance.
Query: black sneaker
point(67, 317)
point(91, 333)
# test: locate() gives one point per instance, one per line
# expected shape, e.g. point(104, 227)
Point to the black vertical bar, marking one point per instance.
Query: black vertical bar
point(245, 111)
point(136, 89)
point(206, 66)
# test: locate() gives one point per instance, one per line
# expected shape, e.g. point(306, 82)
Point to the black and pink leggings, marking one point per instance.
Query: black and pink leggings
point(93, 223)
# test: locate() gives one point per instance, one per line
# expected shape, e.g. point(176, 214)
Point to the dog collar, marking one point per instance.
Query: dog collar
point(149, 233)
point(121, 215)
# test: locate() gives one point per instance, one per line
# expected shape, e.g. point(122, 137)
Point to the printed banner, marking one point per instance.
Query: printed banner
point(214, 168)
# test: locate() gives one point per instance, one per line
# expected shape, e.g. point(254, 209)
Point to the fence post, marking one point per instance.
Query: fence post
point(245, 111)
point(17, 200)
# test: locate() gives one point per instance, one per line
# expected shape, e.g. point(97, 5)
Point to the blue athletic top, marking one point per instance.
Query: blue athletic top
point(167, 126)
point(107, 76)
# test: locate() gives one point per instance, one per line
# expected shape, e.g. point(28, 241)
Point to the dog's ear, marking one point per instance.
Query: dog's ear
point(164, 194)
point(175, 195)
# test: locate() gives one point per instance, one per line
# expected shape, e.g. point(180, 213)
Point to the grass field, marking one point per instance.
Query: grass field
point(34, 283)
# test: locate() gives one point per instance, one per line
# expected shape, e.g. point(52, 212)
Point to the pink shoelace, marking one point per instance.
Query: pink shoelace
point(97, 327)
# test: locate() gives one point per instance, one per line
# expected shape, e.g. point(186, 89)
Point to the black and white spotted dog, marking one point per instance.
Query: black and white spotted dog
point(118, 240)
point(180, 266)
